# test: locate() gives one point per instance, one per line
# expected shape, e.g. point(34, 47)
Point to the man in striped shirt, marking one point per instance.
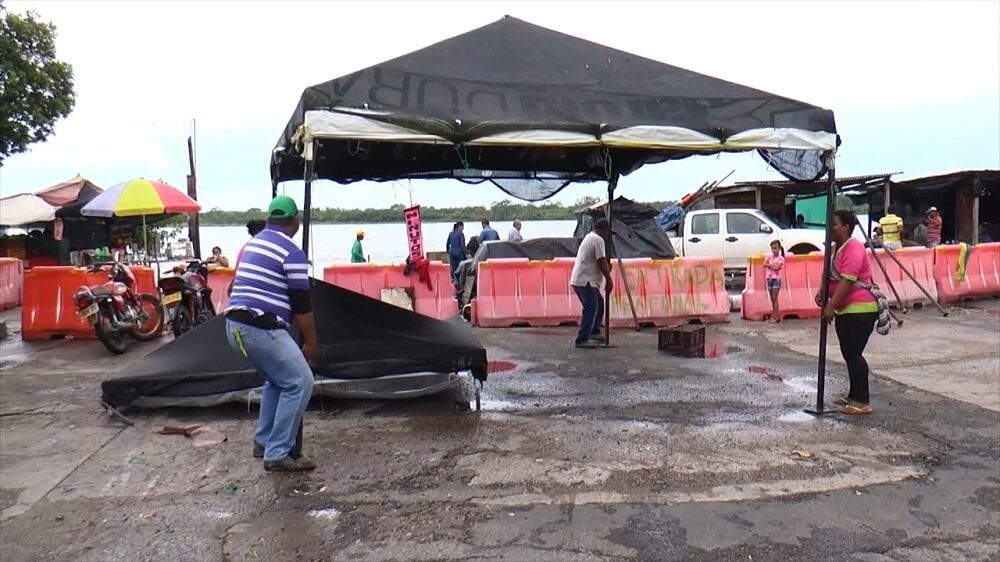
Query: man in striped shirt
point(269, 292)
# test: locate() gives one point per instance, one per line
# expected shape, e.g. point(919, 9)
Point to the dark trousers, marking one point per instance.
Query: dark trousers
point(593, 312)
point(454, 261)
point(853, 331)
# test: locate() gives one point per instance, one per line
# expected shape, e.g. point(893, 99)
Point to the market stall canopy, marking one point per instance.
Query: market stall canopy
point(25, 208)
point(515, 101)
point(70, 196)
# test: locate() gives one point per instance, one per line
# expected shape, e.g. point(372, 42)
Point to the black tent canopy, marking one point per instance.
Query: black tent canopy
point(517, 100)
point(533, 110)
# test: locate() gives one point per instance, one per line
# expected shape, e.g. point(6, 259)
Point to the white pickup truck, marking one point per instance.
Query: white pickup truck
point(736, 234)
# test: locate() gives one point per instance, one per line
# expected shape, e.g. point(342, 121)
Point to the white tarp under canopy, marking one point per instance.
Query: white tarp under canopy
point(23, 209)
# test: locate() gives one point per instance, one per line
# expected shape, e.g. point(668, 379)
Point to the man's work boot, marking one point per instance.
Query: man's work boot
point(288, 464)
point(258, 450)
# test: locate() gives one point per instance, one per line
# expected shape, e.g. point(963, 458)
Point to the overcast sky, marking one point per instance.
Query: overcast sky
point(915, 87)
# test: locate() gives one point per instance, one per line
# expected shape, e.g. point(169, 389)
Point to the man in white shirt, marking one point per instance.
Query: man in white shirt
point(515, 233)
point(590, 267)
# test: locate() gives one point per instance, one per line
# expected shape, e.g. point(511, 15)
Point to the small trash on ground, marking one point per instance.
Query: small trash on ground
point(201, 435)
point(230, 489)
point(803, 454)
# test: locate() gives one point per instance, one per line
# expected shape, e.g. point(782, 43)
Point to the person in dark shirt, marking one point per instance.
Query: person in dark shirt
point(473, 246)
point(488, 234)
point(455, 248)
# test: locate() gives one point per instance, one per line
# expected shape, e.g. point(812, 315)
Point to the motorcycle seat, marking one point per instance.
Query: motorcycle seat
point(98, 291)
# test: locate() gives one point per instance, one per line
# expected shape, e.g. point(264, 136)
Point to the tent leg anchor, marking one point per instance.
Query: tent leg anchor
point(478, 385)
point(112, 412)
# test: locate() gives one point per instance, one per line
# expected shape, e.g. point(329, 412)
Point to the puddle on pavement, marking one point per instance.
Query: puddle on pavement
point(801, 384)
point(797, 416)
point(719, 349)
point(496, 405)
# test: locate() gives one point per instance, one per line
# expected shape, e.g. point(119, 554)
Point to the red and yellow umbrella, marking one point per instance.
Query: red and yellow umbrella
point(139, 198)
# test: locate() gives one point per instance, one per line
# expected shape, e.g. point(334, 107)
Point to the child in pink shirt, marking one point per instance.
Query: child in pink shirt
point(772, 273)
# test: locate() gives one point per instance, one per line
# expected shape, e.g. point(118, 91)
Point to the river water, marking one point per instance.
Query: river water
point(383, 243)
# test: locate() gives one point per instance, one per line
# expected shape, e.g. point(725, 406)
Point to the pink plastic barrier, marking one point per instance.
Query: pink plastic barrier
point(11, 279)
point(518, 292)
point(218, 281)
point(919, 262)
point(369, 280)
point(48, 309)
point(800, 281)
point(982, 278)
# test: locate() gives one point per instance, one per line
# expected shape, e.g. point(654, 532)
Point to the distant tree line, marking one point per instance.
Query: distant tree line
point(498, 211)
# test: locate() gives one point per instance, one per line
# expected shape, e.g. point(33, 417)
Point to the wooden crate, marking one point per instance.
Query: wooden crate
point(687, 340)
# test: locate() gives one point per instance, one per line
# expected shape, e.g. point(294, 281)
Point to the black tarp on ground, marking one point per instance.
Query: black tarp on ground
point(427, 113)
point(359, 338)
point(634, 230)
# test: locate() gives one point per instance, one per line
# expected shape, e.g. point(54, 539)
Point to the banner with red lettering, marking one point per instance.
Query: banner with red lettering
point(414, 233)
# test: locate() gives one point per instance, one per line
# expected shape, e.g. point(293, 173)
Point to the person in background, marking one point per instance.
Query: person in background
point(590, 266)
point(515, 232)
point(772, 273)
point(455, 248)
point(357, 253)
point(800, 221)
point(852, 308)
point(473, 246)
point(217, 260)
point(254, 227)
point(488, 234)
point(271, 290)
point(891, 228)
point(934, 223)
point(984, 234)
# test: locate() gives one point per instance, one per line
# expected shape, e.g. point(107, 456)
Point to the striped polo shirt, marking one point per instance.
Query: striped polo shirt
point(271, 265)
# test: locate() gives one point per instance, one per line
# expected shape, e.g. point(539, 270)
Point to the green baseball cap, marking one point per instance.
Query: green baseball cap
point(282, 207)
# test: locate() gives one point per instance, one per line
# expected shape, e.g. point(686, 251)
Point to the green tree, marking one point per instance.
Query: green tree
point(36, 89)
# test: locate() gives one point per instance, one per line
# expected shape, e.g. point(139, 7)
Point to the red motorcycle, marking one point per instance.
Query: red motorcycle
point(117, 309)
point(187, 298)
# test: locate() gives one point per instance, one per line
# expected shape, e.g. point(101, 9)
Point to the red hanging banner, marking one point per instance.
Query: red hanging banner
point(414, 233)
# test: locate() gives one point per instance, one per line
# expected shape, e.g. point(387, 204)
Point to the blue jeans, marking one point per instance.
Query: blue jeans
point(593, 312)
point(288, 383)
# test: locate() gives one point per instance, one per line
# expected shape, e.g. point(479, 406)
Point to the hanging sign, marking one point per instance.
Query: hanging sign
point(414, 233)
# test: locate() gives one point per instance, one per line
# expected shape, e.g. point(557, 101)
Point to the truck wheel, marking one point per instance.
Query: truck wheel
point(801, 249)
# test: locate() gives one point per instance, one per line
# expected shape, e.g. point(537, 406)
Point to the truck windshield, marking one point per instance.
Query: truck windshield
point(778, 223)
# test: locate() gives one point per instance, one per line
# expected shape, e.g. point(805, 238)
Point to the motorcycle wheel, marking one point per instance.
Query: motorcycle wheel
point(152, 327)
point(112, 339)
point(182, 322)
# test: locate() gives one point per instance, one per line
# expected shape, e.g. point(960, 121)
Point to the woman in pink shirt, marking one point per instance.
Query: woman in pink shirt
point(853, 309)
point(772, 274)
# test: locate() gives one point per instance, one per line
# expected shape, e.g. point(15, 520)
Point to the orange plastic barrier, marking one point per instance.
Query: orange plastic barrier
point(919, 262)
point(982, 277)
point(48, 309)
point(800, 281)
point(517, 292)
point(11, 279)
point(218, 281)
point(369, 279)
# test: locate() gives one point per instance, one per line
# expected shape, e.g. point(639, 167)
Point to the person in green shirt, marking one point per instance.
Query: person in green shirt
point(357, 254)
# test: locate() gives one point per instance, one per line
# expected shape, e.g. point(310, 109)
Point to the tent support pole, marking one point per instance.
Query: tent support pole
point(612, 184)
point(824, 292)
point(307, 200)
point(274, 188)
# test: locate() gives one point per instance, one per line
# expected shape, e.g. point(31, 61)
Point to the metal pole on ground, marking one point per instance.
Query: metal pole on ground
point(915, 282)
point(824, 292)
point(612, 183)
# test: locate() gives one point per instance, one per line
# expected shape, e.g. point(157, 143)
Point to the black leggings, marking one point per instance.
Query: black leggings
point(853, 331)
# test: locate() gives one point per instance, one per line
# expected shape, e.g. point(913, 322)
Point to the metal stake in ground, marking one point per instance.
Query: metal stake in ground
point(915, 282)
point(892, 287)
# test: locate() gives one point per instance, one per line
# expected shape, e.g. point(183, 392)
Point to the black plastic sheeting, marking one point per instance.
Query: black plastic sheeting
point(359, 338)
point(512, 76)
point(634, 230)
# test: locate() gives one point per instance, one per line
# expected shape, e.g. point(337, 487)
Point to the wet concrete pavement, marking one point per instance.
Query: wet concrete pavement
point(622, 453)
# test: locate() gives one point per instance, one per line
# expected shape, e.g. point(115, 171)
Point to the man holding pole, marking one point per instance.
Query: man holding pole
point(590, 266)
